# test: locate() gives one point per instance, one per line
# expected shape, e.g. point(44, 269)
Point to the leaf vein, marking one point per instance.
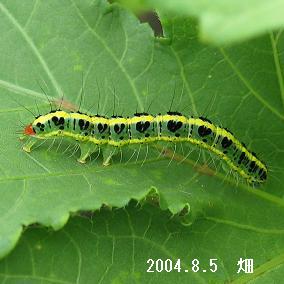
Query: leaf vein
point(32, 46)
point(112, 55)
point(250, 88)
point(277, 66)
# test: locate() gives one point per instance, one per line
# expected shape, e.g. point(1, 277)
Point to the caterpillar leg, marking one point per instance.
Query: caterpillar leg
point(23, 137)
point(108, 152)
point(87, 149)
point(28, 145)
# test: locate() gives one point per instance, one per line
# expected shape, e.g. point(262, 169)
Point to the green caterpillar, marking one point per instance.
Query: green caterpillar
point(95, 131)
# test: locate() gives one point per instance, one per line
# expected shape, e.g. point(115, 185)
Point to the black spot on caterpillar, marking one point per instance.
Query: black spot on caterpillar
point(144, 128)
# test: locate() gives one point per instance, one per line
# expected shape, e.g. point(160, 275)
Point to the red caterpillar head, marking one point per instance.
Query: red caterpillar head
point(29, 131)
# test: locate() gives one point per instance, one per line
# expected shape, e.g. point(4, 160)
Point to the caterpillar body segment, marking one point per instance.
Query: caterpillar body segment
point(109, 133)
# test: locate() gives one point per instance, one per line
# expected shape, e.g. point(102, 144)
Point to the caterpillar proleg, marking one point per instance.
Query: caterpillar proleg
point(98, 132)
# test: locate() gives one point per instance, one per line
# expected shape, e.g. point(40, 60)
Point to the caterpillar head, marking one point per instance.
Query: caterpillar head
point(29, 131)
point(34, 129)
point(47, 126)
point(39, 127)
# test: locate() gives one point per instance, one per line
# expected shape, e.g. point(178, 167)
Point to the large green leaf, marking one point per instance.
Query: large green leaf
point(240, 88)
point(105, 44)
point(114, 247)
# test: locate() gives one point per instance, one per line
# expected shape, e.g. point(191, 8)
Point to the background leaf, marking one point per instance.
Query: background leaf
point(221, 21)
point(239, 87)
